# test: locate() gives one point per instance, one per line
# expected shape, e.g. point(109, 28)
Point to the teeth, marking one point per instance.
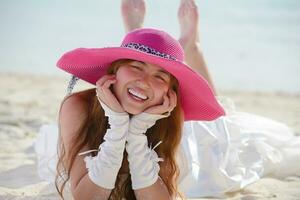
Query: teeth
point(137, 94)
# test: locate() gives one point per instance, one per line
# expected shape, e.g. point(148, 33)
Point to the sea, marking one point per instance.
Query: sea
point(251, 45)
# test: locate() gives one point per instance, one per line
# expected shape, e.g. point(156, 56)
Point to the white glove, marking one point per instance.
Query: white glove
point(143, 161)
point(104, 167)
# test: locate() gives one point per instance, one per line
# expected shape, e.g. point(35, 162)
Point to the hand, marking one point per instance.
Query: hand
point(105, 95)
point(169, 103)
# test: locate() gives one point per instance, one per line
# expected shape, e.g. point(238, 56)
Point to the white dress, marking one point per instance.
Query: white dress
point(214, 157)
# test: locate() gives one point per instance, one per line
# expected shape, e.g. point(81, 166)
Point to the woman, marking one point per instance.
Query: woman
point(146, 78)
point(143, 94)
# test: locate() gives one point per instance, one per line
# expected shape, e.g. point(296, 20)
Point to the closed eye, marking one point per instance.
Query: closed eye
point(136, 67)
point(161, 78)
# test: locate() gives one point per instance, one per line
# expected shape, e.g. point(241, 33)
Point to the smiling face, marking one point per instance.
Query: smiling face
point(140, 85)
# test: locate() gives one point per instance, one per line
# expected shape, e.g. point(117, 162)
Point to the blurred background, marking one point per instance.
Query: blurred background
point(251, 45)
point(252, 48)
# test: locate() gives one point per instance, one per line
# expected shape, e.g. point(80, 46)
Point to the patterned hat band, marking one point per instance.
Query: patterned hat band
point(149, 50)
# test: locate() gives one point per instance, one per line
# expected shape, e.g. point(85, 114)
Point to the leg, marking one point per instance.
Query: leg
point(188, 17)
point(133, 12)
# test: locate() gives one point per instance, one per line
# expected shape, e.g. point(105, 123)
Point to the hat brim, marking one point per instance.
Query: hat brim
point(197, 98)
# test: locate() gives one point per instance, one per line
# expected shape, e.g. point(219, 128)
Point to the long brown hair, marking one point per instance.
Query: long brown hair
point(168, 130)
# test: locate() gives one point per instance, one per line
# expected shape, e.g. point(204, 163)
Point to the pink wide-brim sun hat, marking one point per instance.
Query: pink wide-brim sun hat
point(155, 47)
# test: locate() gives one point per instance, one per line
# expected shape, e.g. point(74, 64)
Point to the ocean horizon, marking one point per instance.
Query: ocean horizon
point(248, 45)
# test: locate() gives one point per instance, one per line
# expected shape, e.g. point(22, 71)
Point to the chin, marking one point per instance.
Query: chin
point(133, 111)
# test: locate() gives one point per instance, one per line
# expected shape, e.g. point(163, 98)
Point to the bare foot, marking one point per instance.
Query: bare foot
point(188, 18)
point(133, 12)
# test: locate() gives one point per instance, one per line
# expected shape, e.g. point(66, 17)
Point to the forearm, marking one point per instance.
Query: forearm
point(102, 172)
point(143, 161)
point(88, 190)
point(104, 167)
point(156, 191)
point(146, 182)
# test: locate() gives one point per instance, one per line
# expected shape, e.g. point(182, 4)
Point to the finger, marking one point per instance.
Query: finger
point(166, 103)
point(173, 97)
point(162, 107)
point(170, 104)
point(106, 88)
point(105, 93)
point(101, 80)
point(172, 101)
point(104, 78)
point(108, 83)
point(101, 89)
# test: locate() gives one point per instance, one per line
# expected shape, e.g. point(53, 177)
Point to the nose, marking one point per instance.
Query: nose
point(144, 81)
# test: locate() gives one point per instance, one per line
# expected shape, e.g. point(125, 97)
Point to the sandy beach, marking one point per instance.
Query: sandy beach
point(28, 101)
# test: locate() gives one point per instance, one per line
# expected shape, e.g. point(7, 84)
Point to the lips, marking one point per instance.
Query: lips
point(137, 94)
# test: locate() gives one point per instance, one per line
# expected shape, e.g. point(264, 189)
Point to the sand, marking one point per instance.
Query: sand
point(28, 101)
